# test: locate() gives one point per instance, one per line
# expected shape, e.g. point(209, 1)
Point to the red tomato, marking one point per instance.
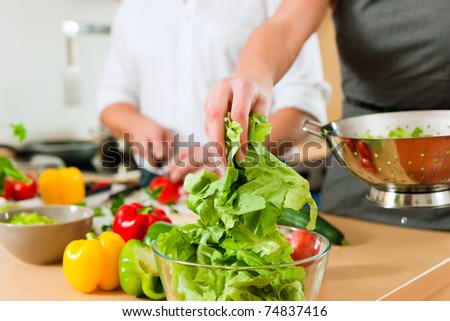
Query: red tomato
point(24, 191)
point(350, 144)
point(364, 150)
point(164, 190)
point(369, 165)
point(305, 245)
point(8, 189)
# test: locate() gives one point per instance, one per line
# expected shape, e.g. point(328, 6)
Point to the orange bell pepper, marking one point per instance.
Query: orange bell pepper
point(62, 186)
point(93, 263)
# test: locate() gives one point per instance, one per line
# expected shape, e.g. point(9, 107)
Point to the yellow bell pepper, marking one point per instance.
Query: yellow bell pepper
point(62, 186)
point(93, 263)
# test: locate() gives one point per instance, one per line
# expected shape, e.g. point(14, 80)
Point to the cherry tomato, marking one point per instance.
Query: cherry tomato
point(369, 165)
point(305, 245)
point(364, 150)
point(24, 191)
point(165, 191)
point(8, 189)
point(350, 144)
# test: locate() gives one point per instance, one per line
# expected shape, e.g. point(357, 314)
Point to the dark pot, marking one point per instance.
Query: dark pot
point(72, 152)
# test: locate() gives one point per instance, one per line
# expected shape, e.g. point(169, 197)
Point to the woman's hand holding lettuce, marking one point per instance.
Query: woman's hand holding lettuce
point(238, 225)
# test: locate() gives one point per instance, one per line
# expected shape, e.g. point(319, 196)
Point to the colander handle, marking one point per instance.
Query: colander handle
point(313, 124)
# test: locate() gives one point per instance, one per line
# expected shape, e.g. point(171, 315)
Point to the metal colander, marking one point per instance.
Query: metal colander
point(406, 165)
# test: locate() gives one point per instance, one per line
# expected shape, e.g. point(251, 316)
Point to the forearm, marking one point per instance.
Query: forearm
point(272, 47)
point(286, 130)
point(119, 116)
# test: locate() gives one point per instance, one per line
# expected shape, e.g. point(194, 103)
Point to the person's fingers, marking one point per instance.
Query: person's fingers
point(216, 109)
point(176, 163)
point(240, 110)
point(137, 145)
point(168, 146)
point(187, 161)
point(161, 147)
point(177, 174)
point(157, 150)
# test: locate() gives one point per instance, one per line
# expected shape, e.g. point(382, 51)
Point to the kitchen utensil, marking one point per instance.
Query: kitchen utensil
point(402, 172)
point(72, 152)
point(125, 191)
point(45, 244)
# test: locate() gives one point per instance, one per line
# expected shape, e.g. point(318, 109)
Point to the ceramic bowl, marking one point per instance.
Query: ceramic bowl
point(190, 281)
point(45, 243)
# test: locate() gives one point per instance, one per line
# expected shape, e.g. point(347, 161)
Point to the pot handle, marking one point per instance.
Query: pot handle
point(313, 124)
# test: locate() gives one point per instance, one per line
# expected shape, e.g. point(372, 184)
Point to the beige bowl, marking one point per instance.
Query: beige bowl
point(45, 244)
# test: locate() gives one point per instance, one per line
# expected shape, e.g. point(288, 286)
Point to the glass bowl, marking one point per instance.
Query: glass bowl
point(291, 281)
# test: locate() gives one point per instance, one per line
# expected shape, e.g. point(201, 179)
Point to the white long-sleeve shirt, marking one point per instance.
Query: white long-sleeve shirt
point(165, 55)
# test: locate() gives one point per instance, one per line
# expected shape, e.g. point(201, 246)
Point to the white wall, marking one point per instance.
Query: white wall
point(32, 60)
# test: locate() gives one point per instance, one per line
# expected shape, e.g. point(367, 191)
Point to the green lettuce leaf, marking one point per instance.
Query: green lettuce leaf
point(237, 226)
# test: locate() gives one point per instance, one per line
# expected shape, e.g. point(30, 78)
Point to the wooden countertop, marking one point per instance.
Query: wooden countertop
point(380, 262)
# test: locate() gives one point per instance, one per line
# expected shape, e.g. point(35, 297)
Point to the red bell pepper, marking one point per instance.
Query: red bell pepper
point(132, 220)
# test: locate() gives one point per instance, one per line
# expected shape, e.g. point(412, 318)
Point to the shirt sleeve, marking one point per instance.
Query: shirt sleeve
point(119, 80)
point(303, 86)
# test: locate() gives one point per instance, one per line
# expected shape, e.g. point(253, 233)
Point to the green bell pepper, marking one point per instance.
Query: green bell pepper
point(154, 230)
point(139, 275)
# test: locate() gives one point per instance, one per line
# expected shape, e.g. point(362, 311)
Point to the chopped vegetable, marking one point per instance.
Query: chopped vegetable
point(34, 218)
point(238, 226)
point(93, 263)
point(62, 186)
point(401, 132)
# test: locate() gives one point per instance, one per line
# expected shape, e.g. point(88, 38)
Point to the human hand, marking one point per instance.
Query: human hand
point(240, 95)
point(144, 136)
point(192, 160)
point(152, 141)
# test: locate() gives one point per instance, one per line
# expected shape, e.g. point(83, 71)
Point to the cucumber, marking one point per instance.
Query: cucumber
point(301, 218)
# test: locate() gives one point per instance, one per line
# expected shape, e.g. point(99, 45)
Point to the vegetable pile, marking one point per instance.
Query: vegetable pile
point(34, 218)
point(238, 226)
point(401, 132)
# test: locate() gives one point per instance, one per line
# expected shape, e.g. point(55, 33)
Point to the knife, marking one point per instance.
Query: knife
point(126, 191)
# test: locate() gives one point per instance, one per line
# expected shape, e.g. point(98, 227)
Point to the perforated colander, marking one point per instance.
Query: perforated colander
point(406, 165)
